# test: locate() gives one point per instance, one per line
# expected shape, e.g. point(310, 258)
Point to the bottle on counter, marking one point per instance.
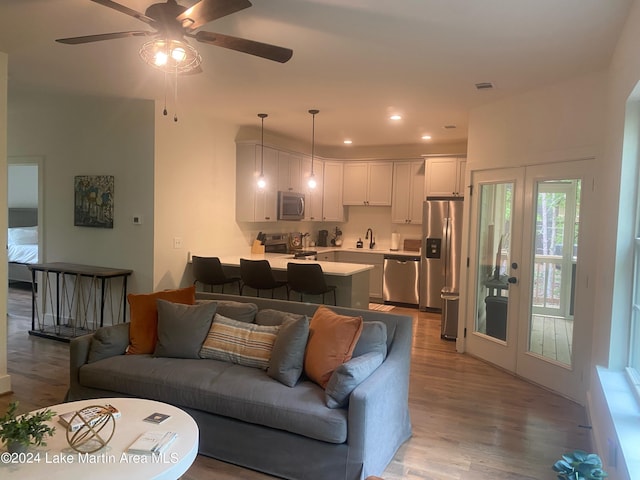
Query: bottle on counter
point(359, 243)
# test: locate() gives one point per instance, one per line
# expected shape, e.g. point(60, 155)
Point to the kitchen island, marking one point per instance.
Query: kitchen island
point(351, 279)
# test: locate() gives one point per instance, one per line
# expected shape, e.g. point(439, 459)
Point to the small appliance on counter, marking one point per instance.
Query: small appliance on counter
point(322, 238)
point(295, 241)
point(336, 241)
point(395, 242)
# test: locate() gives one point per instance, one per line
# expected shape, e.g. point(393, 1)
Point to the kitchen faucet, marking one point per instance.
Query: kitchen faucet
point(371, 241)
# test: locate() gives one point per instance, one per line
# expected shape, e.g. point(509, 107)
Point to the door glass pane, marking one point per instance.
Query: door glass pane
point(494, 251)
point(555, 258)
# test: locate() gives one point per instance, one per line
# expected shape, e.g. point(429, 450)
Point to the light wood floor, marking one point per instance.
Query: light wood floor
point(552, 337)
point(470, 420)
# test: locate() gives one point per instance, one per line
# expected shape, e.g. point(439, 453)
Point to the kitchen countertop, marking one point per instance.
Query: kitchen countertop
point(381, 251)
point(278, 261)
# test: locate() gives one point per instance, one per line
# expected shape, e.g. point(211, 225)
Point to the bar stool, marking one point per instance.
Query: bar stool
point(258, 275)
point(208, 271)
point(308, 278)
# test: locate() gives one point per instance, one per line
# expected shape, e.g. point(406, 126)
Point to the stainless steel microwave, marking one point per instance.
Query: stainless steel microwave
point(290, 206)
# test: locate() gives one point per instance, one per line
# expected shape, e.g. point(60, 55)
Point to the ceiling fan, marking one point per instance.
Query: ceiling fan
point(172, 22)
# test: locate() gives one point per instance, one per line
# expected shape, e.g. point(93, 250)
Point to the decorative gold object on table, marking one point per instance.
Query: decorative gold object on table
point(95, 432)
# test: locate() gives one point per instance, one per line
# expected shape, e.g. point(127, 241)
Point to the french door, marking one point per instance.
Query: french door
point(529, 309)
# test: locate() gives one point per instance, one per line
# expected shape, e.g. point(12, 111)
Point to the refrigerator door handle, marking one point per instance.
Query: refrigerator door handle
point(446, 233)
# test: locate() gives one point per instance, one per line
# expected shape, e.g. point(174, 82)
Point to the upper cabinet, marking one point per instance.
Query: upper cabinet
point(367, 183)
point(289, 172)
point(408, 192)
point(332, 202)
point(254, 204)
point(313, 196)
point(445, 176)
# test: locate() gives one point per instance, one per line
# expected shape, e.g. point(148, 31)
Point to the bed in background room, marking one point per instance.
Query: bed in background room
point(22, 243)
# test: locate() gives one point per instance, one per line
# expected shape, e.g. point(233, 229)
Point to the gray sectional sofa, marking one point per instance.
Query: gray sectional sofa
point(248, 418)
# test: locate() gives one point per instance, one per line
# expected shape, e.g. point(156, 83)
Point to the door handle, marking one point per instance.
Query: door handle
point(512, 280)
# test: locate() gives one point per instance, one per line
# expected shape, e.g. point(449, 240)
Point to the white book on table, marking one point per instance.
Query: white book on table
point(152, 442)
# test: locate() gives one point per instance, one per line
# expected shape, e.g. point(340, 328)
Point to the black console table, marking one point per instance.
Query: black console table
point(99, 284)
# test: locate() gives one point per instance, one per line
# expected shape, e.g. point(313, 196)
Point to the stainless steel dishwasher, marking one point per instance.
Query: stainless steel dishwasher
point(400, 280)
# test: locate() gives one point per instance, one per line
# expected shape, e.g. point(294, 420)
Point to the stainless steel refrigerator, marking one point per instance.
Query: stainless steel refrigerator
point(440, 256)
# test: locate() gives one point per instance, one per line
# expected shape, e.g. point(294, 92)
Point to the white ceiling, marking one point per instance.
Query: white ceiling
point(357, 61)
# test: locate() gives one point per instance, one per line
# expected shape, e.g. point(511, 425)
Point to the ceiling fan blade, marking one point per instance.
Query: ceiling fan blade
point(264, 50)
point(207, 10)
point(126, 11)
point(102, 36)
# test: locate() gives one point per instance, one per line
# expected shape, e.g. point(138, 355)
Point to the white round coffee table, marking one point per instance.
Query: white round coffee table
point(59, 461)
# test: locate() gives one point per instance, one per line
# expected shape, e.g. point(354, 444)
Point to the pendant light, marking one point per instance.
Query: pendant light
point(312, 178)
point(261, 180)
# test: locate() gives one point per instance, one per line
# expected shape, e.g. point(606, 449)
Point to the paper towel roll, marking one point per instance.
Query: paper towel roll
point(395, 241)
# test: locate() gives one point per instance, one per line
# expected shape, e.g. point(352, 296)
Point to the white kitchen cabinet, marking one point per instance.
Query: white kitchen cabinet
point(408, 192)
point(313, 196)
point(445, 176)
point(289, 172)
point(327, 256)
point(367, 183)
point(367, 258)
point(332, 205)
point(252, 203)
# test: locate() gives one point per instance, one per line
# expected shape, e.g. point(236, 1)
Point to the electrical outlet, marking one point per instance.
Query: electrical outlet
point(177, 242)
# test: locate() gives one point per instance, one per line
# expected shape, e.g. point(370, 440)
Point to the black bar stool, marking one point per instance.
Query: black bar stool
point(308, 278)
point(208, 271)
point(257, 274)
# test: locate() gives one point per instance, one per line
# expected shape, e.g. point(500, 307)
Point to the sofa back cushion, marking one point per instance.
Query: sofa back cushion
point(372, 339)
point(332, 338)
point(143, 331)
point(287, 357)
point(243, 343)
point(182, 328)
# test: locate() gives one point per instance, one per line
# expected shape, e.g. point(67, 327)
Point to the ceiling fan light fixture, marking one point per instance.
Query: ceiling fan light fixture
point(170, 56)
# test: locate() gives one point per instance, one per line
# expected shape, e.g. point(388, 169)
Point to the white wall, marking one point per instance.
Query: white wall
point(22, 185)
point(91, 136)
point(5, 379)
point(195, 176)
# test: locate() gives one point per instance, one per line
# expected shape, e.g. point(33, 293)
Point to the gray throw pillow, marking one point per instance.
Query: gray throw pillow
point(108, 342)
point(182, 328)
point(240, 311)
point(268, 316)
point(348, 376)
point(287, 356)
point(372, 339)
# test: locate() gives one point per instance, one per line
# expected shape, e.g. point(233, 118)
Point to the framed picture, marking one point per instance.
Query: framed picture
point(93, 201)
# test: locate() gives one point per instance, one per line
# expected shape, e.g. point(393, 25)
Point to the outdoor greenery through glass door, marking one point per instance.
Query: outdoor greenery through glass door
point(555, 258)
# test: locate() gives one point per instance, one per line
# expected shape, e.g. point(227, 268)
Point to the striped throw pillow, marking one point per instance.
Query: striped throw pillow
point(243, 343)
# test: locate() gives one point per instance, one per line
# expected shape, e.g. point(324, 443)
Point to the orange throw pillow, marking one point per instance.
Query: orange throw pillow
point(332, 338)
point(143, 330)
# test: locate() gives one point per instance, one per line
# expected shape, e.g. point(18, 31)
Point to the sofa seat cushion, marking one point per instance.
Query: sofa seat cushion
point(222, 388)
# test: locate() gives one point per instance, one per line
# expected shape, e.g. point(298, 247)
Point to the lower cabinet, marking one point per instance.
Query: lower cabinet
point(375, 275)
point(327, 257)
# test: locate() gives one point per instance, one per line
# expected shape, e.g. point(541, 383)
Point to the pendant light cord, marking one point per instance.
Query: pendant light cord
point(313, 113)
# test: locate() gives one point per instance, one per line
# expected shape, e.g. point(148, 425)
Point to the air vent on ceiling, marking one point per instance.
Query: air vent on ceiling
point(449, 127)
point(484, 86)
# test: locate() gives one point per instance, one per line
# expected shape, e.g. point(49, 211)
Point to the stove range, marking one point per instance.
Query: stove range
point(306, 254)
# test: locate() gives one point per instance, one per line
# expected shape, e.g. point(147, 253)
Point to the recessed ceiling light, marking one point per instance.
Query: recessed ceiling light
point(348, 142)
point(395, 117)
point(426, 137)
